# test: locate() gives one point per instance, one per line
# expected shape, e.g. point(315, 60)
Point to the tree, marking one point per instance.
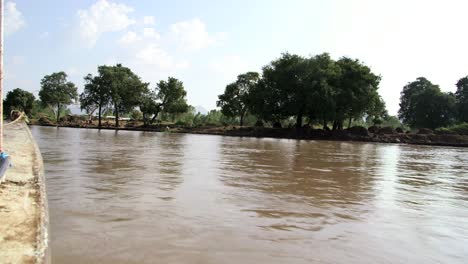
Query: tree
point(462, 99)
point(281, 91)
point(234, 101)
point(126, 89)
point(356, 91)
point(318, 88)
point(96, 94)
point(168, 97)
point(377, 112)
point(57, 92)
point(320, 82)
point(19, 99)
point(149, 107)
point(422, 104)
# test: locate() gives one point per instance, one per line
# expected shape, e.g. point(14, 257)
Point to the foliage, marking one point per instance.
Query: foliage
point(461, 129)
point(318, 88)
point(391, 121)
point(234, 101)
point(136, 115)
point(168, 97)
point(423, 105)
point(279, 93)
point(462, 99)
point(19, 99)
point(57, 92)
point(96, 94)
point(356, 91)
point(40, 110)
point(125, 88)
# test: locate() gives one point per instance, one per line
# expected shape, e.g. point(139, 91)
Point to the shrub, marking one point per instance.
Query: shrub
point(136, 115)
point(388, 130)
point(259, 123)
point(373, 129)
point(277, 125)
point(181, 123)
point(461, 129)
point(358, 130)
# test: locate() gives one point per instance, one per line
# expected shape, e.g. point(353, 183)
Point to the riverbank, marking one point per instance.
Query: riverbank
point(23, 202)
point(361, 134)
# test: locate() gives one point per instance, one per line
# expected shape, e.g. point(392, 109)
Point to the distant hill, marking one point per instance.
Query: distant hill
point(201, 109)
point(76, 110)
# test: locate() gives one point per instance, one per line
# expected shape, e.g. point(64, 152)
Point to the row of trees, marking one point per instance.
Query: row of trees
point(317, 89)
point(117, 87)
point(114, 88)
point(423, 104)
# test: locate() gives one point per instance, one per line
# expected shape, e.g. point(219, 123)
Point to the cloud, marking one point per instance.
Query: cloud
point(103, 16)
point(151, 33)
point(192, 35)
point(129, 38)
point(153, 55)
point(229, 67)
point(14, 19)
point(149, 20)
point(143, 51)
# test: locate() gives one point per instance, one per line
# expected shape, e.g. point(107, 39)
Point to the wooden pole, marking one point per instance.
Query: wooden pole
point(1, 75)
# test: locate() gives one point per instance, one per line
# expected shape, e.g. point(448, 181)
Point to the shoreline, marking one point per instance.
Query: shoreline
point(347, 135)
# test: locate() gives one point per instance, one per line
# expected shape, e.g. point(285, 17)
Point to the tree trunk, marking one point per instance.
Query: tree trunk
point(99, 117)
point(242, 120)
point(349, 122)
point(58, 113)
point(154, 118)
point(299, 120)
point(116, 116)
point(324, 124)
point(145, 119)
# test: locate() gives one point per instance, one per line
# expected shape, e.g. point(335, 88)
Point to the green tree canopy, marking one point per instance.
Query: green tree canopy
point(234, 101)
point(462, 99)
point(422, 104)
point(57, 92)
point(320, 81)
point(318, 88)
point(356, 91)
point(125, 88)
point(19, 99)
point(96, 94)
point(377, 112)
point(168, 96)
point(280, 92)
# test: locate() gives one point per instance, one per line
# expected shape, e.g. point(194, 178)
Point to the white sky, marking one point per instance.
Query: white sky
point(206, 45)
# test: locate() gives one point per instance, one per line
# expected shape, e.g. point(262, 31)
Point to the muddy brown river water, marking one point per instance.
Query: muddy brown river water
point(142, 197)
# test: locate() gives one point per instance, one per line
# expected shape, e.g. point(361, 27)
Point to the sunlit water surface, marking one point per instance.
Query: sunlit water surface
point(141, 197)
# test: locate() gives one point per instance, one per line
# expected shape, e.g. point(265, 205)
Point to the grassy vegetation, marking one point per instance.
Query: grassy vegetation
point(461, 129)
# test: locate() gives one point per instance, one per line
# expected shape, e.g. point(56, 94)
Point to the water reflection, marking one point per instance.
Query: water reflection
point(138, 197)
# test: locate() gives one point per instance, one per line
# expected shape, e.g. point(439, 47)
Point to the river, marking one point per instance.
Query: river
point(144, 197)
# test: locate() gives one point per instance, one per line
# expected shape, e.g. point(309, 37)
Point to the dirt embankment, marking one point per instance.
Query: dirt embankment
point(23, 203)
point(373, 134)
point(385, 135)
